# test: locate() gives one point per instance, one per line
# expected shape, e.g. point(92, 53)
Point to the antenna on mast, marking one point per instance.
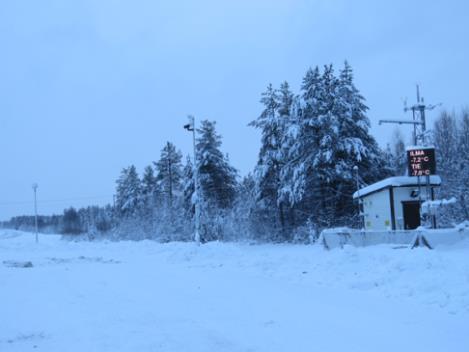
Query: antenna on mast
point(418, 118)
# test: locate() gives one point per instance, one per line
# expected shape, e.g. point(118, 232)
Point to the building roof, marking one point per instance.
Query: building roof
point(398, 181)
point(418, 147)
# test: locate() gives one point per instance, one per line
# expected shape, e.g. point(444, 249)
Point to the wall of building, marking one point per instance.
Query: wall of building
point(377, 211)
point(377, 207)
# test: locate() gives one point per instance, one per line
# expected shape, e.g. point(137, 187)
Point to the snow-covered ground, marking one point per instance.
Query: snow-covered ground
point(145, 296)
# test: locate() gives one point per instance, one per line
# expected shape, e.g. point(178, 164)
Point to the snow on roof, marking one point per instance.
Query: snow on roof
point(418, 147)
point(398, 181)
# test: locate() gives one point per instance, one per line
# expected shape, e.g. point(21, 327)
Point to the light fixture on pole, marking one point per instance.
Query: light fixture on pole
point(191, 128)
point(35, 210)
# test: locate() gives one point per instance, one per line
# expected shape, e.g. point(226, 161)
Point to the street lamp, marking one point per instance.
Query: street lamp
point(191, 128)
point(35, 209)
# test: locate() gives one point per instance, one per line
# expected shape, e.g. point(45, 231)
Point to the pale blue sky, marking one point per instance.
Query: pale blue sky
point(88, 87)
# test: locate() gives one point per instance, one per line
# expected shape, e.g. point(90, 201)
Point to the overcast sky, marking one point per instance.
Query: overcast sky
point(88, 87)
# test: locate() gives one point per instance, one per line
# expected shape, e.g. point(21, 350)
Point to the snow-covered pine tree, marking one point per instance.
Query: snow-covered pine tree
point(149, 182)
point(285, 102)
point(169, 172)
point(169, 180)
point(149, 190)
point(217, 180)
point(216, 176)
point(240, 220)
point(188, 188)
point(288, 117)
point(288, 191)
point(396, 154)
point(128, 192)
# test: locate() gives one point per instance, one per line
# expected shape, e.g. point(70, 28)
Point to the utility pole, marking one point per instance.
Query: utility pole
point(191, 128)
point(35, 210)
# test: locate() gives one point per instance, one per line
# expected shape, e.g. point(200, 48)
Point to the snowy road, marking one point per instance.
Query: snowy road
point(144, 296)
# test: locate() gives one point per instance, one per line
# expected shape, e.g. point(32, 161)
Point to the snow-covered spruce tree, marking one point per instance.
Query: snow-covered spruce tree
point(240, 222)
point(451, 140)
point(128, 204)
point(217, 180)
point(355, 145)
point(285, 102)
point(272, 122)
point(188, 188)
point(308, 158)
point(301, 138)
point(332, 137)
point(128, 192)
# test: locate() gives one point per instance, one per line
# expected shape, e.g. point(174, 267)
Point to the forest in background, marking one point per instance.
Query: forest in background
point(312, 144)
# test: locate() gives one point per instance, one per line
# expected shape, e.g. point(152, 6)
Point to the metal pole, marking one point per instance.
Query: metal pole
point(196, 187)
point(355, 168)
point(415, 128)
point(422, 107)
point(35, 211)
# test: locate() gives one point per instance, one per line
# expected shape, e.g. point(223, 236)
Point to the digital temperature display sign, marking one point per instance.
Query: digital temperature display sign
point(421, 161)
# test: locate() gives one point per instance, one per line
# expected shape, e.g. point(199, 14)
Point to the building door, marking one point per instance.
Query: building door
point(411, 215)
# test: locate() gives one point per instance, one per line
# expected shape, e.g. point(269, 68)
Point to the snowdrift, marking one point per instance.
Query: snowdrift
point(229, 297)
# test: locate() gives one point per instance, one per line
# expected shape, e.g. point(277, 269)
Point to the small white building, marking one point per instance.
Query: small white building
point(394, 203)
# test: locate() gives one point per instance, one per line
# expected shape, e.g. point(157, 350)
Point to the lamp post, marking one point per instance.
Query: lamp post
point(35, 210)
point(191, 128)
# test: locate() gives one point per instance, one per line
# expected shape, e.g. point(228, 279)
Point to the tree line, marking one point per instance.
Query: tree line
point(315, 147)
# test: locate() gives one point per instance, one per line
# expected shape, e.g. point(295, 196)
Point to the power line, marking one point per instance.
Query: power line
point(55, 200)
